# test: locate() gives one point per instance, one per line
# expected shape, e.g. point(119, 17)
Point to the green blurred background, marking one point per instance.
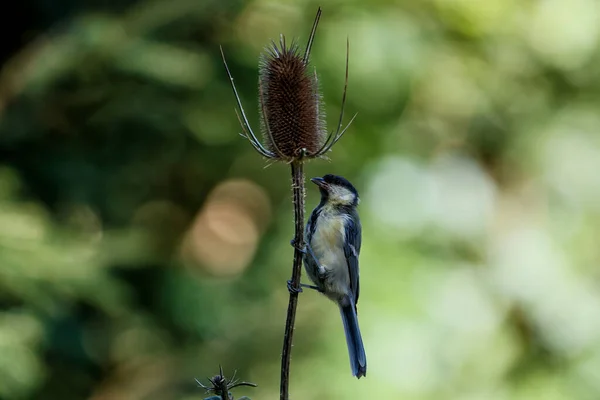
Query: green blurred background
point(143, 242)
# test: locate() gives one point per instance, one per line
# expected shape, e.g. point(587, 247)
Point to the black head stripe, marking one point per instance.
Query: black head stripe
point(340, 181)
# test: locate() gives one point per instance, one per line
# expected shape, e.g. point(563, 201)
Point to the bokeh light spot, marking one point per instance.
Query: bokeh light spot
point(225, 234)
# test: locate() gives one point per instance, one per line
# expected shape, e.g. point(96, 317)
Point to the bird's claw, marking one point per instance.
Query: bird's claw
point(292, 289)
point(297, 247)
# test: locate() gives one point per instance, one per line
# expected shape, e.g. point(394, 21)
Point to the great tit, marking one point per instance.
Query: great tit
point(333, 239)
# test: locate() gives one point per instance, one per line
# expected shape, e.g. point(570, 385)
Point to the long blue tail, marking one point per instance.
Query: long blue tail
point(356, 350)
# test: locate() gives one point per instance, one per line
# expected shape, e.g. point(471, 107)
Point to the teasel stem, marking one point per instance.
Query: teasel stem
point(298, 199)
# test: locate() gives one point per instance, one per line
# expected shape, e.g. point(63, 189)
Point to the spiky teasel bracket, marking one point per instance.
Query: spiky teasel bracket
point(294, 131)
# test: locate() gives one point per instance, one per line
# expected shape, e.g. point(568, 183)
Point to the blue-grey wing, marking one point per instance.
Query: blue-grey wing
point(352, 251)
point(310, 262)
point(311, 224)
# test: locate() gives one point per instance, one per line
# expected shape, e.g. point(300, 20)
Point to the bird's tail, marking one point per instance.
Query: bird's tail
point(356, 350)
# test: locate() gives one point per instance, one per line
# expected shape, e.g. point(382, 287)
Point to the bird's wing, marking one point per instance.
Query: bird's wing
point(311, 225)
point(352, 250)
point(309, 231)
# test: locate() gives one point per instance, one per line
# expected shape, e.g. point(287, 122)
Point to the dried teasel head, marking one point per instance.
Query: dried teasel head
point(219, 384)
point(290, 103)
point(292, 115)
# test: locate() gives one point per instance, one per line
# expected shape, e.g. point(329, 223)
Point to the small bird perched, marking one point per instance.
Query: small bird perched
point(333, 239)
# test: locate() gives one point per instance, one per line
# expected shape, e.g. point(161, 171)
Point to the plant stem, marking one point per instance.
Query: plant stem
point(298, 198)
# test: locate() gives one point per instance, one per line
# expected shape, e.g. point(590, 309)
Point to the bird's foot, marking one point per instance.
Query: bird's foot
point(301, 249)
point(293, 289)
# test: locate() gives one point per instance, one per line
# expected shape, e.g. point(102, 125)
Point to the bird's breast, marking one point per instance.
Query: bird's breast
point(329, 232)
point(327, 244)
point(328, 241)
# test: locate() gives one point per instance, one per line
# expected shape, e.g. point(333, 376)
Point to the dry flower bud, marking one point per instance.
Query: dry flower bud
point(292, 115)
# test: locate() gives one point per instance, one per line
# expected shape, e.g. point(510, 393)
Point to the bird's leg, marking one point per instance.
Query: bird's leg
point(311, 287)
point(304, 250)
point(302, 285)
point(312, 254)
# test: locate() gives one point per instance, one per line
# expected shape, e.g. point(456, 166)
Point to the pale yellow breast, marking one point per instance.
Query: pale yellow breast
point(328, 239)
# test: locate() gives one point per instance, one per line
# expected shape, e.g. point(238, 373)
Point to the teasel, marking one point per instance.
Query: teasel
point(293, 127)
point(290, 104)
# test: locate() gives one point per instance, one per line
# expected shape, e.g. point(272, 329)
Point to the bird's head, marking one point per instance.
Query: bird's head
point(337, 190)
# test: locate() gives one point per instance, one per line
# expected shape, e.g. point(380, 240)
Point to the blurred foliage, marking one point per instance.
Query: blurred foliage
point(143, 243)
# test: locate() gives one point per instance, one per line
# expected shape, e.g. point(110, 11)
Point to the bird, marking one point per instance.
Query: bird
point(333, 240)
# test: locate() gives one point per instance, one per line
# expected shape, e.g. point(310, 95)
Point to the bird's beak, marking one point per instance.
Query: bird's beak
point(320, 182)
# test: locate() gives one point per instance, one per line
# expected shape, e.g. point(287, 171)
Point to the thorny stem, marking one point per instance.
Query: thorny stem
point(224, 392)
point(298, 196)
